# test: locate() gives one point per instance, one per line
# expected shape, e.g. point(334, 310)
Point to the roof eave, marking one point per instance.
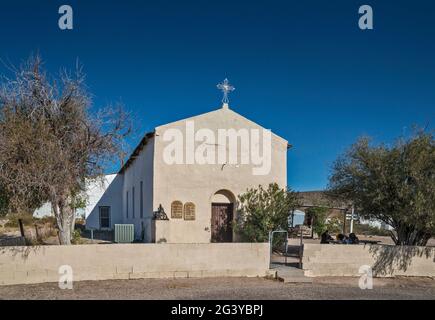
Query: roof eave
point(137, 151)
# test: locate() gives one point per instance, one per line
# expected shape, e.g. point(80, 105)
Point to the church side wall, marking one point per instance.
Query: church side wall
point(111, 198)
point(95, 190)
point(141, 170)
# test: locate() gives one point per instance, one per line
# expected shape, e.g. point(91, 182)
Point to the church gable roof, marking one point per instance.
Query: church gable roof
point(212, 115)
point(204, 116)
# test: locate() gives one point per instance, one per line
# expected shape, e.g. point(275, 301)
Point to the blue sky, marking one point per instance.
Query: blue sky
point(301, 68)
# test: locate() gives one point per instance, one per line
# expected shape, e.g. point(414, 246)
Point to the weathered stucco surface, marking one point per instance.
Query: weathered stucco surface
point(199, 183)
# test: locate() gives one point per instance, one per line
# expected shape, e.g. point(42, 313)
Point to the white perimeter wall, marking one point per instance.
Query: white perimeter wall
point(22, 265)
point(385, 261)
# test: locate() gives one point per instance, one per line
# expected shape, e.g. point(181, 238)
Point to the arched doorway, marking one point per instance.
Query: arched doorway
point(222, 215)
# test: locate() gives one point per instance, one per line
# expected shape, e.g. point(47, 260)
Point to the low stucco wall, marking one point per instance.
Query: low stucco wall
point(22, 265)
point(385, 261)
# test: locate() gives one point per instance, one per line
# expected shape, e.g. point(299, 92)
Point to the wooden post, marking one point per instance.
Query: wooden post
point(20, 223)
point(37, 231)
point(301, 250)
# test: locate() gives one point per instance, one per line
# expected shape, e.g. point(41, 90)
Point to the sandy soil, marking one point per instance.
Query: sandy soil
point(227, 289)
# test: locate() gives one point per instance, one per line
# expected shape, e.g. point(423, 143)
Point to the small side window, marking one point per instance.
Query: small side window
point(141, 200)
point(133, 203)
point(104, 217)
point(126, 204)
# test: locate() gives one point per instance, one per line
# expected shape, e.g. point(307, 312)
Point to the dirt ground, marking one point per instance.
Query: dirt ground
point(227, 289)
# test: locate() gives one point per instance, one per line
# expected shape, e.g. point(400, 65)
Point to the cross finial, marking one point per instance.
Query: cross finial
point(226, 88)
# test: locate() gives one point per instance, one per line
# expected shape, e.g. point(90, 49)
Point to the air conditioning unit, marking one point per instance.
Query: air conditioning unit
point(124, 233)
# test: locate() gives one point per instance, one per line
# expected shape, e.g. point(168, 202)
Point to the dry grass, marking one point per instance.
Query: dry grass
point(36, 230)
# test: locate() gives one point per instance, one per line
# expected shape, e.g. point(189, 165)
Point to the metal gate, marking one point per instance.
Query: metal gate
point(288, 251)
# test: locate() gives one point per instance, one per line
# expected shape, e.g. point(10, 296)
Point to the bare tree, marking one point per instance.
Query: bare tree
point(50, 142)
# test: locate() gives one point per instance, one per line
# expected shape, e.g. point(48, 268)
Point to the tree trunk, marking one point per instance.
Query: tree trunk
point(410, 236)
point(64, 218)
point(65, 236)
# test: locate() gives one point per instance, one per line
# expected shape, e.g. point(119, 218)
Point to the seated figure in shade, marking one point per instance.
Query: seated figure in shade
point(353, 239)
point(341, 238)
point(325, 237)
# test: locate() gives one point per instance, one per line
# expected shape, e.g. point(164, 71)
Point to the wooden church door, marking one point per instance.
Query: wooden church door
point(221, 222)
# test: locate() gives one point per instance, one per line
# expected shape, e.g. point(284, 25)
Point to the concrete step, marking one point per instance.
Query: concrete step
point(289, 274)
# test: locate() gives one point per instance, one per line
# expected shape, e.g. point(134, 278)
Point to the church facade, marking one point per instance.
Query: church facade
point(182, 182)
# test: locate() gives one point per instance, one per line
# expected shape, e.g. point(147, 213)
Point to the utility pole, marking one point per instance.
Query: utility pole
point(351, 219)
point(344, 220)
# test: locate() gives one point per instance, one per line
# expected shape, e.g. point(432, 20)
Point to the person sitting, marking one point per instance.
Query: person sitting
point(353, 239)
point(341, 238)
point(325, 237)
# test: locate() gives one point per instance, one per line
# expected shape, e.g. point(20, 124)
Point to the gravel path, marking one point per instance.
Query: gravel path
point(227, 289)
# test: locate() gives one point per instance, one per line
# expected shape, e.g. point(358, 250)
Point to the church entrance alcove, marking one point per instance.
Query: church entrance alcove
point(222, 215)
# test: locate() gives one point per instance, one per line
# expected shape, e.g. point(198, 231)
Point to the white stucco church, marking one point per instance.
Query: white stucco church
point(190, 173)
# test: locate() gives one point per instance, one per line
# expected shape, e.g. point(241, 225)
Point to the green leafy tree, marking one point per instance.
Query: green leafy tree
point(263, 210)
point(393, 184)
point(318, 217)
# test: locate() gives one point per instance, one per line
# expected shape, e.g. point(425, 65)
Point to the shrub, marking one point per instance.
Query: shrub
point(264, 210)
point(76, 237)
point(334, 225)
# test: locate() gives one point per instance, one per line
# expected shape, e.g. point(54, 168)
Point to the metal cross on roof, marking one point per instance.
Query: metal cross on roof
point(226, 88)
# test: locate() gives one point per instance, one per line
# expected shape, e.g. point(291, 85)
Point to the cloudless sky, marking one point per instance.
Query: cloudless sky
point(301, 68)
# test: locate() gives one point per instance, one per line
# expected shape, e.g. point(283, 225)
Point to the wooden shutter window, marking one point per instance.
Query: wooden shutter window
point(177, 210)
point(189, 211)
